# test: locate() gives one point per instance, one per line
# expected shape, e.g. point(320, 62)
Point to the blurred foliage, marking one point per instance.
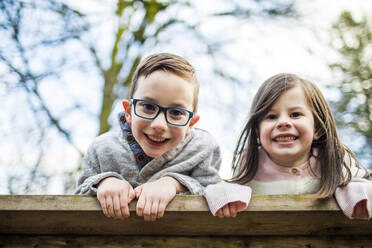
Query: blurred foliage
point(353, 41)
point(43, 40)
point(132, 39)
point(31, 34)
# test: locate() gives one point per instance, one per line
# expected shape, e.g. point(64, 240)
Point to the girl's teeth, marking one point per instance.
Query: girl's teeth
point(289, 138)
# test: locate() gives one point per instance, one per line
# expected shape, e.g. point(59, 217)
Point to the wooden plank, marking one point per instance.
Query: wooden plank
point(16, 241)
point(185, 216)
point(184, 203)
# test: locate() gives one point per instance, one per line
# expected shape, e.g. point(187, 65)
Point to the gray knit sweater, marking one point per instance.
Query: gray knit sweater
point(194, 162)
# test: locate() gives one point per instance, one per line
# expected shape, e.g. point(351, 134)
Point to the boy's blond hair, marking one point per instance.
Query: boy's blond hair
point(167, 62)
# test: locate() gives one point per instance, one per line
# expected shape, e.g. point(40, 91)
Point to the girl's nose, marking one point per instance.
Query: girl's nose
point(159, 123)
point(283, 123)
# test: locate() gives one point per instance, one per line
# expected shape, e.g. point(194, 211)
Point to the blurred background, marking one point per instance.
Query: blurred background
point(65, 66)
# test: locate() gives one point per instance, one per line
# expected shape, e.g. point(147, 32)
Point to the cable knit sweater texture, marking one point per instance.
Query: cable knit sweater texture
point(195, 162)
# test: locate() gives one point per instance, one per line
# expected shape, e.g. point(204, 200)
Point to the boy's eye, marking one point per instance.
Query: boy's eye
point(175, 113)
point(147, 106)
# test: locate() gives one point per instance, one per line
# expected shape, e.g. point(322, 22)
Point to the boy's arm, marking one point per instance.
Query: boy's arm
point(91, 175)
point(113, 192)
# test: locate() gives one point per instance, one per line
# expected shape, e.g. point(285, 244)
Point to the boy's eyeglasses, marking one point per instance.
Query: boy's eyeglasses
point(150, 110)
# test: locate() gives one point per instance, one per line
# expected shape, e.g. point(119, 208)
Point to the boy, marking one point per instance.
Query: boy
point(157, 153)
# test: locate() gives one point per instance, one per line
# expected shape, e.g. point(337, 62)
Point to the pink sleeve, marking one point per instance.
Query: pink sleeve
point(220, 194)
point(357, 191)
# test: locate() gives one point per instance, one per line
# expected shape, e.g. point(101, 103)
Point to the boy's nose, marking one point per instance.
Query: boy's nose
point(159, 122)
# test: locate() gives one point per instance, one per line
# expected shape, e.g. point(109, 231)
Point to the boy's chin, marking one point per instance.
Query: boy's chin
point(153, 154)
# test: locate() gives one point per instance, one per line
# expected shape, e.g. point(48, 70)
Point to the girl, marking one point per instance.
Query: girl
point(290, 146)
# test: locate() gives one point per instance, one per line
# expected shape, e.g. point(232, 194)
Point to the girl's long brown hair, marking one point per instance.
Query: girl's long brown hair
point(331, 152)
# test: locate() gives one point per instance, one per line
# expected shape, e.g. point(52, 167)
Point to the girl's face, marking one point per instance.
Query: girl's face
point(287, 131)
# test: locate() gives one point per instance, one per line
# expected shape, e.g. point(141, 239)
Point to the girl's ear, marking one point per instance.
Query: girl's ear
point(128, 111)
point(316, 135)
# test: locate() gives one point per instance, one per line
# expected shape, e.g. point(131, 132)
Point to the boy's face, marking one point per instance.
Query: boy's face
point(167, 90)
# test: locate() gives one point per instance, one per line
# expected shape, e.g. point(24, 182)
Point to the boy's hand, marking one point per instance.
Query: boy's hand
point(153, 197)
point(114, 196)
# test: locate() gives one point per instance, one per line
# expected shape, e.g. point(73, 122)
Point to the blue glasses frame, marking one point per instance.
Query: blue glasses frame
point(161, 109)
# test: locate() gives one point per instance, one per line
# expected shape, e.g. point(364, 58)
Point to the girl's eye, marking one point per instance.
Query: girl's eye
point(271, 117)
point(295, 114)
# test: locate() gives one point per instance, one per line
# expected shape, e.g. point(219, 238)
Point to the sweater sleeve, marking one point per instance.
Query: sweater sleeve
point(220, 194)
point(355, 199)
point(204, 172)
point(92, 175)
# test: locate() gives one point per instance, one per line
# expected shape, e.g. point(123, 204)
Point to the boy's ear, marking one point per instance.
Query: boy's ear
point(128, 111)
point(194, 120)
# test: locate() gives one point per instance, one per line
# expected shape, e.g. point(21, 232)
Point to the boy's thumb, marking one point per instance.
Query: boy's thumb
point(138, 191)
point(131, 195)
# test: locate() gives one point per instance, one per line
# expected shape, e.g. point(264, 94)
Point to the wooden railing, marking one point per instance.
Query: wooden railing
point(269, 221)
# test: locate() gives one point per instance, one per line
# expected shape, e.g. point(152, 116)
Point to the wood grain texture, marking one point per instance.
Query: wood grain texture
point(185, 216)
point(17, 241)
point(184, 203)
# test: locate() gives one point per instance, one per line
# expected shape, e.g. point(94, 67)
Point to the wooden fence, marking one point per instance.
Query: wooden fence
point(269, 221)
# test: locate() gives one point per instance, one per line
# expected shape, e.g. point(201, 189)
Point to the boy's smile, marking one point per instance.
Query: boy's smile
point(168, 90)
point(287, 131)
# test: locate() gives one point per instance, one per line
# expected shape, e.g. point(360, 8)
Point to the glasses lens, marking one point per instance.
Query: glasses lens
point(146, 109)
point(177, 116)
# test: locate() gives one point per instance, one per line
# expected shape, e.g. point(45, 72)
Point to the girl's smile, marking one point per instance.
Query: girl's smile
point(285, 139)
point(287, 131)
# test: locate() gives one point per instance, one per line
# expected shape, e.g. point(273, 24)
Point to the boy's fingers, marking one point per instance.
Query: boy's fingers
point(124, 206)
point(154, 211)
point(140, 206)
point(110, 207)
point(117, 208)
point(233, 210)
point(147, 210)
point(131, 195)
point(102, 201)
point(138, 191)
point(161, 209)
point(226, 211)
